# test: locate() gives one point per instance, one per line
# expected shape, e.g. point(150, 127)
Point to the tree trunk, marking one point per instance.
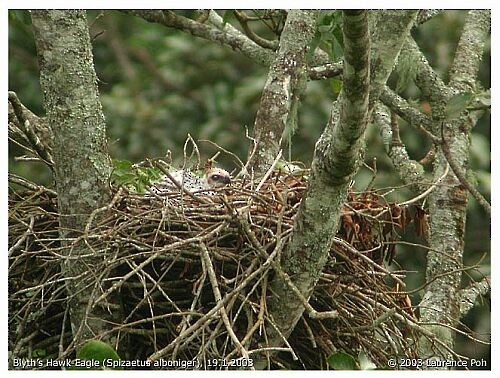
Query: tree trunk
point(286, 81)
point(81, 161)
point(337, 157)
point(441, 304)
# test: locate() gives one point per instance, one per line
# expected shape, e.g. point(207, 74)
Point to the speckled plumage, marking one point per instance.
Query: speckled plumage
point(213, 178)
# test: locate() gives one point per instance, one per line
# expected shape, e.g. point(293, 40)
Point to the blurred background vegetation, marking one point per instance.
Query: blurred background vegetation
point(157, 85)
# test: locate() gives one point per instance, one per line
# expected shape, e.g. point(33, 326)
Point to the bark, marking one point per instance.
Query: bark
point(285, 83)
point(409, 171)
point(81, 161)
point(335, 161)
point(442, 301)
point(337, 157)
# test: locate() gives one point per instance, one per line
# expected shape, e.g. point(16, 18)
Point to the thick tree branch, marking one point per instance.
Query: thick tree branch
point(214, 29)
point(471, 293)
point(409, 171)
point(82, 168)
point(390, 30)
point(432, 86)
point(441, 303)
point(325, 71)
point(227, 35)
point(285, 83)
point(317, 219)
point(469, 51)
point(337, 157)
point(403, 109)
point(427, 14)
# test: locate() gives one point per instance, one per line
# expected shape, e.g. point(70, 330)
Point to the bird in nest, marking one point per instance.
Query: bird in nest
point(213, 178)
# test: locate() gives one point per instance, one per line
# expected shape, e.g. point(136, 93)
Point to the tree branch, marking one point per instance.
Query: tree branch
point(409, 171)
point(226, 35)
point(325, 71)
point(403, 109)
point(32, 125)
point(427, 14)
point(469, 51)
point(81, 162)
point(216, 30)
point(336, 159)
point(457, 170)
point(432, 86)
point(471, 293)
point(262, 42)
point(285, 84)
point(391, 28)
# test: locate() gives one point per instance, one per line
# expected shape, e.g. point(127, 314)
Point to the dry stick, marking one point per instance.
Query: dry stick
point(186, 320)
point(23, 237)
point(103, 209)
point(25, 125)
point(224, 150)
point(313, 314)
point(260, 316)
point(205, 256)
point(428, 191)
point(214, 309)
point(30, 185)
point(196, 239)
point(365, 258)
point(411, 323)
point(269, 171)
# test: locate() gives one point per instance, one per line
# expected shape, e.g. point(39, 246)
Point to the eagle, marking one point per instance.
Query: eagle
point(213, 178)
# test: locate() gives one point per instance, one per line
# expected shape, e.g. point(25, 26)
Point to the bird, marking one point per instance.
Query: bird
point(214, 178)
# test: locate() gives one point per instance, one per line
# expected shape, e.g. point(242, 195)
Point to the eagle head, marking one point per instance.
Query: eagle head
point(217, 178)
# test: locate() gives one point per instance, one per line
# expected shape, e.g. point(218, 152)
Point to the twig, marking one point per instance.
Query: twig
point(218, 299)
point(428, 191)
point(243, 20)
point(30, 185)
point(25, 125)
point(457, 170)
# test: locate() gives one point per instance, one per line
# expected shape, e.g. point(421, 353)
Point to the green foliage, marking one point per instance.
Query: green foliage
point(344, 361)
point(96, 350)
point(133, 177)
point(329, 35)
point(21, 16)
point(457, 104)
point(39, 353)
point(227, 16)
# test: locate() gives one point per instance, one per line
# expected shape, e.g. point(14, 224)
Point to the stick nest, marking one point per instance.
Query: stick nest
point(149, 264)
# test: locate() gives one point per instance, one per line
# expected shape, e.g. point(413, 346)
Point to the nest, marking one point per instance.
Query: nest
point(175, 261)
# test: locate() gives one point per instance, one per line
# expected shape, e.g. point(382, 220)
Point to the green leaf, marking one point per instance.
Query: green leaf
point(98, 351)
point(122, 164)
point(39, 353)
point(336, 85)
point(228, 15)
point(342, 361)
point(457, 104)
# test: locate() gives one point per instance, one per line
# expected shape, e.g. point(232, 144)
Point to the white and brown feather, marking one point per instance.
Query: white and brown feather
point(214, 178)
